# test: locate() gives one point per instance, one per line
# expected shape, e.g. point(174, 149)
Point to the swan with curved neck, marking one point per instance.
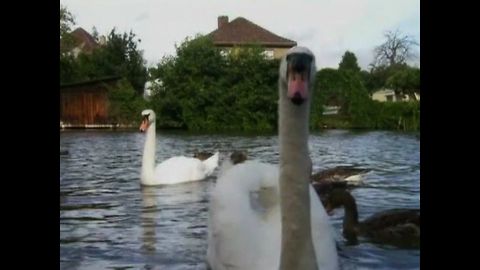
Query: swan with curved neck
point(396, 227)
point(344, 177)
point(174, 170)
point(268, 217)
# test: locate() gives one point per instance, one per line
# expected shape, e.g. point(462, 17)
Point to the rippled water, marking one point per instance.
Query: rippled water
point(108, 221)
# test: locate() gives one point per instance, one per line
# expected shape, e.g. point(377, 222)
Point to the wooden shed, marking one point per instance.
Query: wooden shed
point(85, 104)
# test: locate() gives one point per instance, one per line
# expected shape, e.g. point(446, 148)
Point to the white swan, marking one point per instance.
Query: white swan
point(235, 158)
point(269, 217)
point(173, 170)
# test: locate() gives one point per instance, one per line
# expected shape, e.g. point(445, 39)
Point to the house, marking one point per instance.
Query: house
point(384, 95)
point(84, 42)
point(330, 110)
point(241, 32)
point(85, 104)
point(389, 95)
point(148, 89)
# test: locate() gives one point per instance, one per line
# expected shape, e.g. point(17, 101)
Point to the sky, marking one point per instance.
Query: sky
point(327, 27)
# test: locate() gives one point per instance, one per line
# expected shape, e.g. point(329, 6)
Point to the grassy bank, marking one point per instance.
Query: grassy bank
point(404, 116)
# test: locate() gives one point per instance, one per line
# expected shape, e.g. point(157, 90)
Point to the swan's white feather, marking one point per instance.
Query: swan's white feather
point(181, 169)
point(245, 225)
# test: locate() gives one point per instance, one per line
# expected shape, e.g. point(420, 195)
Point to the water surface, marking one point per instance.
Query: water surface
point(108, 221)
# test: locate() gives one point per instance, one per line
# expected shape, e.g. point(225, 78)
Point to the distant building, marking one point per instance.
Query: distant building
point(147, 92)
point(389, 95)
point(241, 32)
point(330, 110)
point(85, 104)
point(83, 42)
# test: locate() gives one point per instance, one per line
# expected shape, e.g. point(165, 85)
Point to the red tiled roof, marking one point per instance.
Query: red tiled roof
point(83, 37)
point(242, 31)
point(94, 81)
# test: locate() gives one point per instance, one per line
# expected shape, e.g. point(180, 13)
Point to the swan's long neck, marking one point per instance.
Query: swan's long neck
point(148, 161)
point(350, 220)
point(297, 251)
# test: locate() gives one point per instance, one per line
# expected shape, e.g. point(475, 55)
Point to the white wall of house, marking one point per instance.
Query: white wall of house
point(389, 95)
point(330, 110)
point(384, 95)
point(147, 90)
point(76, 51)
point(269, 53)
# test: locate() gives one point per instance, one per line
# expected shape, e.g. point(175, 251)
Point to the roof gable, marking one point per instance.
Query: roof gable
point(242, 31)
point(84, 40)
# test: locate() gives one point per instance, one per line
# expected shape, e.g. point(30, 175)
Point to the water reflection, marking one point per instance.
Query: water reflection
point(148, 217)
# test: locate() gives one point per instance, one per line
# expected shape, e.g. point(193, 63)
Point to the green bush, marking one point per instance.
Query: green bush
point(201, 90)
point(125, 105)
point(345, 89)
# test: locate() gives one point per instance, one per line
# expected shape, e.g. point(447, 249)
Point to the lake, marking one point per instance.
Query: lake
point(108, 221)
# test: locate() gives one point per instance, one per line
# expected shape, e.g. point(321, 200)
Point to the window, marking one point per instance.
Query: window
point(224, 52)
point(268, 54)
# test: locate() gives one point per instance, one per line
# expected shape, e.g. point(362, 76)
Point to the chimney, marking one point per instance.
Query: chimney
point(222, 20)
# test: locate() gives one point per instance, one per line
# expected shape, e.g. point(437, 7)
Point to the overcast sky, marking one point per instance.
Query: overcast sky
point(327, 27)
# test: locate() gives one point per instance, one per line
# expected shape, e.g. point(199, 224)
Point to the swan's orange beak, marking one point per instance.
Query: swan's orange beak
point(297, 87)
point(144, 125)
point(298, 77)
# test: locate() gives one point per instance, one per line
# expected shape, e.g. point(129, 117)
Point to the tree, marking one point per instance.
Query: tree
point(119, 57)
point(189, 84)
point(95, 33)
point(67, 65)
point(67, 20)
point(368, 81)
point(344, 88)
point(124, 104)
point(69, 71)
point(202, 90)
point(405, 81)
point(379, 76)
point(329, 88)
point(397, 49)
point(349, 62)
